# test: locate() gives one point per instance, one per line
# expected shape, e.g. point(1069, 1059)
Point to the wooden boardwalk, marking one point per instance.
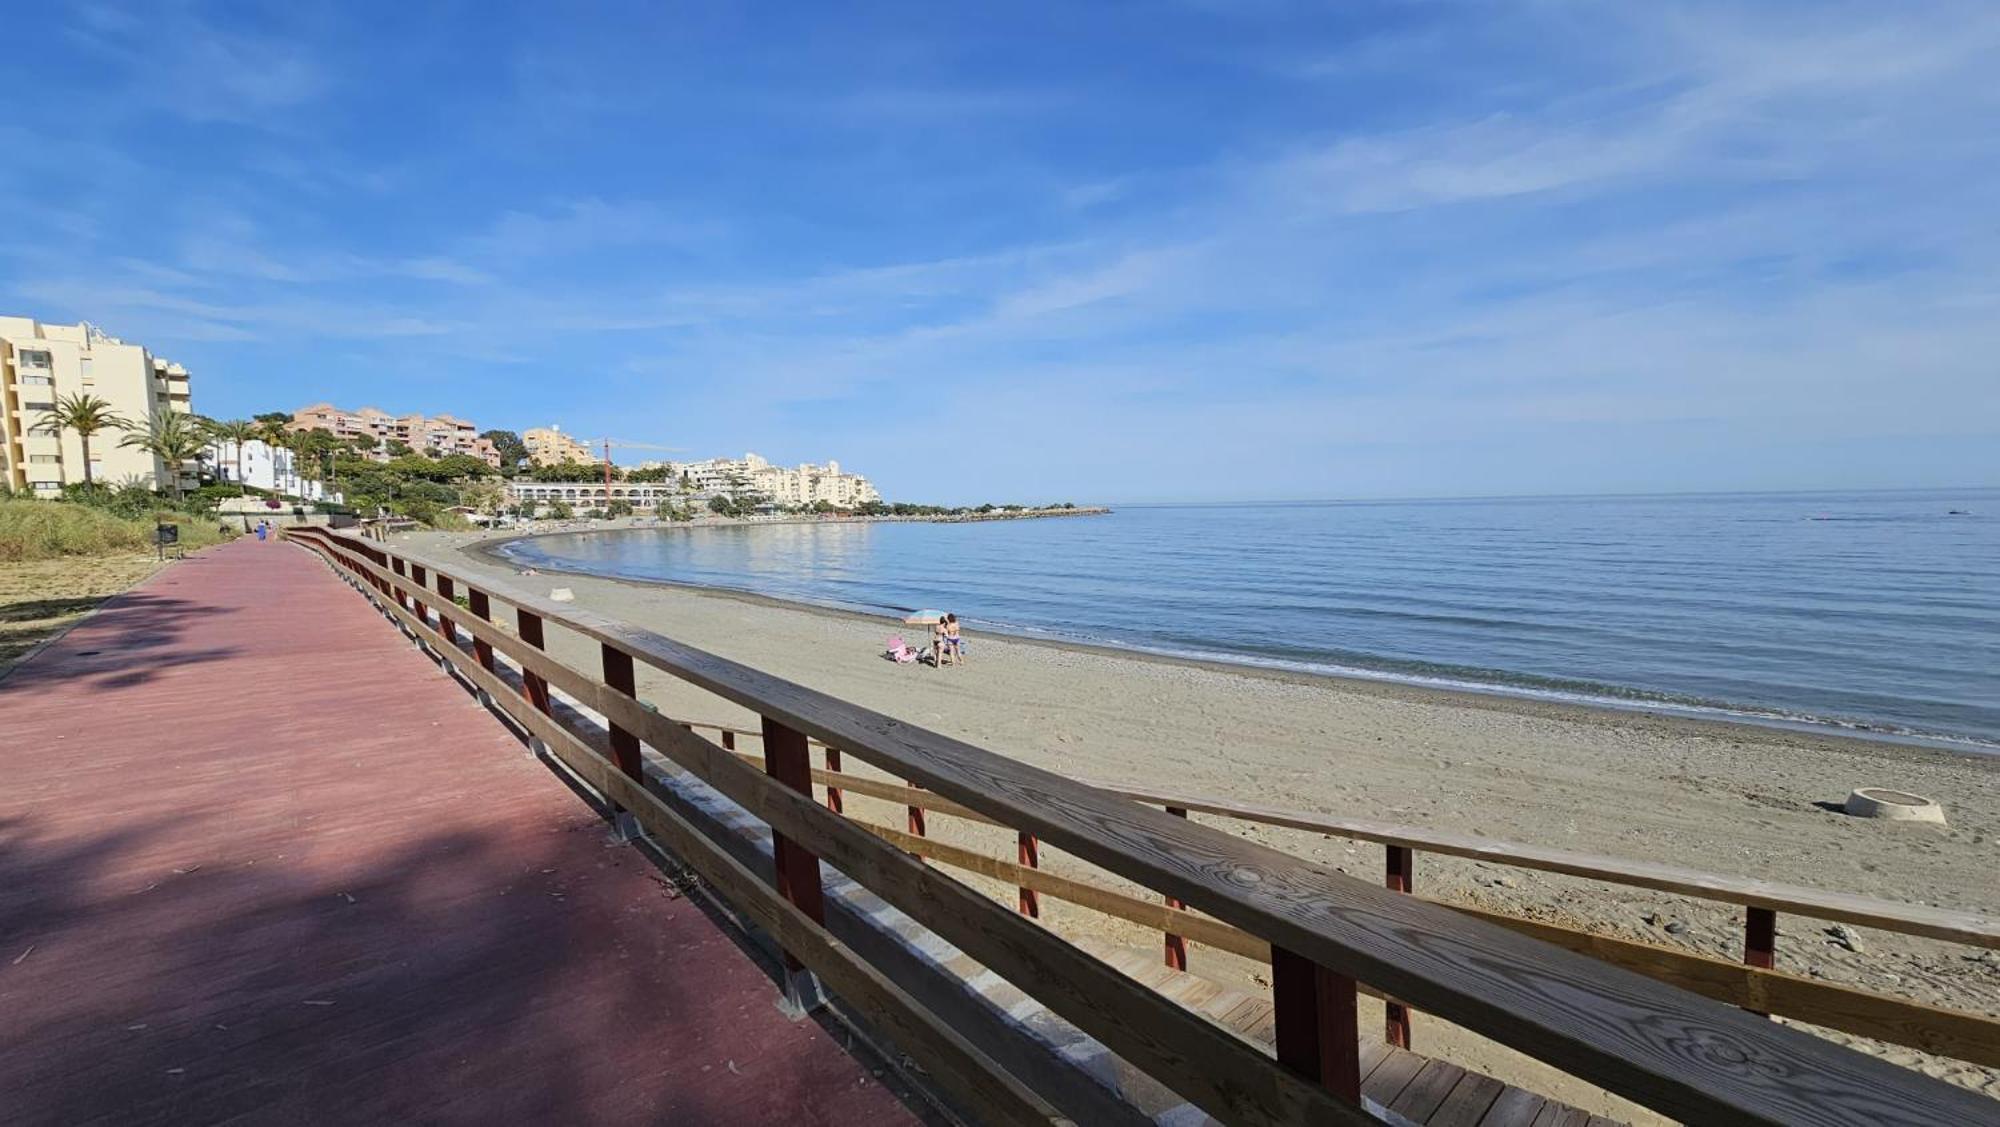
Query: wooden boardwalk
point(261, 861)
point(1415, 1088)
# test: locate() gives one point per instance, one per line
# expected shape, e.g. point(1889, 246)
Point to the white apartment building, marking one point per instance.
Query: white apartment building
point(804, 484)
point(264, 466)
point(549, 446)
point(592, 494)
point(807, 484)
point(40, 363)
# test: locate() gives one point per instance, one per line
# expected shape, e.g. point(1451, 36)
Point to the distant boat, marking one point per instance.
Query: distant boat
point(1958, 512)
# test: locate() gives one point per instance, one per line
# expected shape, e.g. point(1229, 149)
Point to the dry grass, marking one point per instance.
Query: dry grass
point(46, 530)
point(39, 598)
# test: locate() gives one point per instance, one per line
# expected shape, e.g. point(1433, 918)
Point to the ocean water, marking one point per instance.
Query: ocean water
point(1876, 612)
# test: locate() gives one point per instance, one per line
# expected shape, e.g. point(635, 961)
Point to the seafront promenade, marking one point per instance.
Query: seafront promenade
point(276, 849)
point(260, 858)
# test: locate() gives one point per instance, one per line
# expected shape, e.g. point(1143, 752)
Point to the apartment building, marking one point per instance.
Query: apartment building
point(40, 363)
point(808, 484)
point(592, 494)
point(264, 466)
point(803, 484)
point(442, 434)
point(549, 446)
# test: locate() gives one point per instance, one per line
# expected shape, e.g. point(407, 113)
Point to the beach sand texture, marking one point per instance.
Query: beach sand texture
point(1731, 799)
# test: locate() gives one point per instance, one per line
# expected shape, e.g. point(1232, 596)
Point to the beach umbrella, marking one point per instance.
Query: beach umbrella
point(924, 618)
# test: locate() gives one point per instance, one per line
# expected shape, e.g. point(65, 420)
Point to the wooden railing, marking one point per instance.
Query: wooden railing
point(1327, 935)
point(1753, 984)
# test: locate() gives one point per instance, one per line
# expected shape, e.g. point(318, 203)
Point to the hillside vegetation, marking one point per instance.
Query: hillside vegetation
point(46, 530)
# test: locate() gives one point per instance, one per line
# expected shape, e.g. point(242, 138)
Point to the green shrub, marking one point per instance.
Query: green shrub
point(43, 530)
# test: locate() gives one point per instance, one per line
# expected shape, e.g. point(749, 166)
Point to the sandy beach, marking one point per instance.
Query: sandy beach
point(1732, 799)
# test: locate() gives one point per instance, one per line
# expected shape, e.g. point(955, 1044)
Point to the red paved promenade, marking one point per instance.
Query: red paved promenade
point(261, 860)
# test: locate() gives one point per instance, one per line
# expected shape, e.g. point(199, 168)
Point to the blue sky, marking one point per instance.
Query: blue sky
point(1074, 251)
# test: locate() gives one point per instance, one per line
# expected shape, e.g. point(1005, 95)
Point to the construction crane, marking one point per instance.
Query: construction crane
point(608, 443)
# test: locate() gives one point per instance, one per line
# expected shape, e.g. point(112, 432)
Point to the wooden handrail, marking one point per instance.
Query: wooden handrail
point(1888, 915)
point(1658, 1045)
point(1953, 1033)
point(1910, 919)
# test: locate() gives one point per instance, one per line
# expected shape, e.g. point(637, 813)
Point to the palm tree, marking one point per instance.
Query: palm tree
point(174, 438)
point(235, 432)
point(85, 414)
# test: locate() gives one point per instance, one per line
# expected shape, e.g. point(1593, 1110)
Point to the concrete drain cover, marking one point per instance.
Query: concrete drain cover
point(1895, 805)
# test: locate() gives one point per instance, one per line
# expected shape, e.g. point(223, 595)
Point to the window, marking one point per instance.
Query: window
point(47, 486)
point(38, 406)
point(35, 358)
point(36, 381)
point(44, 459)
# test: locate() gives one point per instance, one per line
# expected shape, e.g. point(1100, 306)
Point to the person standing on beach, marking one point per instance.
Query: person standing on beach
point(951, 639)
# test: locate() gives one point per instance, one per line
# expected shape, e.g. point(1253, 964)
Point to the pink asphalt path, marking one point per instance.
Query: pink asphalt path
point(261, 861)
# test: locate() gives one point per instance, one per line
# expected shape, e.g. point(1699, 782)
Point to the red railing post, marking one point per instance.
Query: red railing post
point(1030, 853)
point(1176, 945)
point(533, 686)
point(618, 675)
point(835, 801)
point(1401, 877)
point(728, 740)
point(447, 591)
point(916, 813)
point(1760, 940)
point(396, 565)
point(795, 869)
point(1315, 1016)
point(482, 606)
point(421, 578)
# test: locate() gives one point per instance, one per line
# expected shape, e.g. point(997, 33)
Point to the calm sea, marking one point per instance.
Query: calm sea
point(1872, 611)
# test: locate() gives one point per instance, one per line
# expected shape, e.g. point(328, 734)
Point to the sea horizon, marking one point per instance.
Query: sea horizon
point(1611, 495)
point(1770, 619)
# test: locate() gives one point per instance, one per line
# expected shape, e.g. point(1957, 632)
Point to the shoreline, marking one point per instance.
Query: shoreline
point(1387, 686)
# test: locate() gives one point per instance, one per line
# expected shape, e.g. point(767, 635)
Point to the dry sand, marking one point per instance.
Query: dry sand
point(1727, 798)
point(39, 599)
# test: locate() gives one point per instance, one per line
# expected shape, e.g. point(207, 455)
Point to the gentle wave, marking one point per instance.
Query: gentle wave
point(1881, 622)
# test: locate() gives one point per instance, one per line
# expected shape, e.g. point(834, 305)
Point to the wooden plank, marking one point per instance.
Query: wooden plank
point(1515, 1107)
point(1467, 1103)
point(1095, 897)
point(1965, 1036)
point(1909, 919)
point(1390, 1077)
point(1610, 1026)
point(1427, 1090)
point(1952, 1033)
point(1559, 1115)
point(878, 788)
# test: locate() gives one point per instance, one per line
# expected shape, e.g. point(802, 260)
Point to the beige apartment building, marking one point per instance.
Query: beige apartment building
point(549, 446)
point(803, 484)
point(39, 363)
point(444, 434)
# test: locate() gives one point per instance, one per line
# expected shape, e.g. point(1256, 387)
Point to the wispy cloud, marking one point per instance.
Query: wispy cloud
point(1422, 248)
